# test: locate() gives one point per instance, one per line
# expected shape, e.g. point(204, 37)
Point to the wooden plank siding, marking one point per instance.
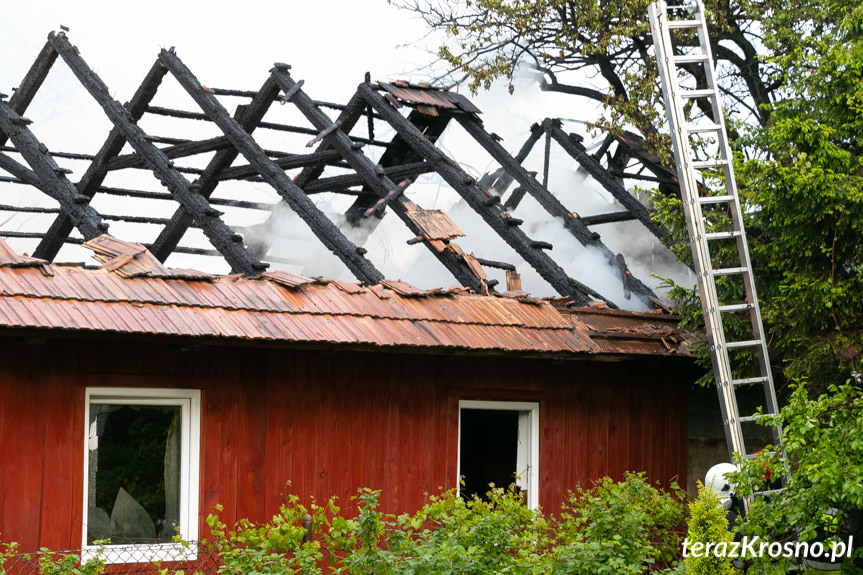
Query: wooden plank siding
point(313, 423)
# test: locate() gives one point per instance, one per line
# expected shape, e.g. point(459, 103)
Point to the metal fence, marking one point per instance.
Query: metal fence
point(139, 559)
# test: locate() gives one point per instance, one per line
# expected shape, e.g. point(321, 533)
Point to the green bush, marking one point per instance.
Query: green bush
point(629, 527)
point(708, 524)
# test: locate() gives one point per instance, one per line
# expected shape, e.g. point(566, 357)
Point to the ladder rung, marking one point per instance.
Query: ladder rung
point(715, 199)
point(682, 24)
point(751, 418)
point(749, 380)
point(690, 58)
point(703, 128)
point(701, 164)
point(706, 93)
point(721, 235)
point(744, 343)
point(735, 307)
point(754, 455)
point(730, 272)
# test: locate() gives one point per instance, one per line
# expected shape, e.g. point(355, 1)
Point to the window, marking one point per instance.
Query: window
point(499, 443)
point(141, 461)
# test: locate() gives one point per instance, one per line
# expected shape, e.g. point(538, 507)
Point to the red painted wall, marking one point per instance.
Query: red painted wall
point(316, 424)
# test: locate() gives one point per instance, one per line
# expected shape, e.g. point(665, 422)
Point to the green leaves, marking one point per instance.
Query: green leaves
point(626, 527)
point(707, 524)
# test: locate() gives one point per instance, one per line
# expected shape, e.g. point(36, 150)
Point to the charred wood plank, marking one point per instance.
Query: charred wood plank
point(179, 151)
point(64, 155)
point(52, 179)
point(286, 163)
point(96, 172)
point(249, 119)
point(392, 195)
point(547, 200)
point(183, 114)
point(609, 182)
point(217, 232)
point(496, 264)
point(607, 218)
point(348, 118)
point(499, 180)
point(399, 153)
point(32, 81)
point(321, 226)
point(476, 197)
point(453, 259)
point(24, 174)
point(338, 183)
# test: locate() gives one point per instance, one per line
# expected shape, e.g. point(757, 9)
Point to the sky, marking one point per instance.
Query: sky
point(330, 44)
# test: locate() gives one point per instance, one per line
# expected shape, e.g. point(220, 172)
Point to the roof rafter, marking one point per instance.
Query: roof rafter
point(51, 177)
point(249, 116)
point(449, 254)
point(571, 220)
point(220, 235)
point(482, 202)
point(90, 183)
point(322, 227)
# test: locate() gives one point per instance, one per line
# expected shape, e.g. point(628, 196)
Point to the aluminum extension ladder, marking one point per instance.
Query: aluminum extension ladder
point(713, 216)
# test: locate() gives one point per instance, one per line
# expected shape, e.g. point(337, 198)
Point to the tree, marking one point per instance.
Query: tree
point(606, 44)
point(791, 74)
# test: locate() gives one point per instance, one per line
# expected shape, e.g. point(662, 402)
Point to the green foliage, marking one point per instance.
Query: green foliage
point(7, 550)
point(54, 563)
point(809, 197)
point(621, 528)
point(627, 527)
point(274, 548)
point(825, 454)
point(707, 524)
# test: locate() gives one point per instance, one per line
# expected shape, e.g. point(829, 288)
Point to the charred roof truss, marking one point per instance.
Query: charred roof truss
point(411, 152)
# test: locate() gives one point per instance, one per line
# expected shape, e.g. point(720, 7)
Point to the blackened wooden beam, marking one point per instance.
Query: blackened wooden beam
point(607, 181)
point(24, 174)
point(398, 153)
point(547, 200)
point(348, 119)
point(32, 81)
point(377, 180)
point(92, 179)
point(321, 226)
point(338, 183)
point(476, 197)
point(607, 218)
point(183, 114)
point(499, 180)
point(173, 152)
point(249, 119)
point(298, 161)
point(217, 232)
point(51, 176)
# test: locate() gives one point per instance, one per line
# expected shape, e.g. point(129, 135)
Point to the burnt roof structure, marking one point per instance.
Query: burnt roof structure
point(333, 161)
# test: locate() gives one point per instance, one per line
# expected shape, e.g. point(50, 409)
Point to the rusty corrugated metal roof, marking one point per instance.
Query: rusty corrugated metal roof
point(423, 95)
point(281, 307)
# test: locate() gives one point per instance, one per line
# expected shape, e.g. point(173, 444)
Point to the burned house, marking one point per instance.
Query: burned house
point(137, 395)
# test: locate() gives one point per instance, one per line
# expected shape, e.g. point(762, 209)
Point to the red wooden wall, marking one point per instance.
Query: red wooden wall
point(316, 424)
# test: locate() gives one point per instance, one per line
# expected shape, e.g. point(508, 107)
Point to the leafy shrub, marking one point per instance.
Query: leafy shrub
point(629, 527)
point(708, 524)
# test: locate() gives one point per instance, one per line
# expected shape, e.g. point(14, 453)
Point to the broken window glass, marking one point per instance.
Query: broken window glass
point(133, 473)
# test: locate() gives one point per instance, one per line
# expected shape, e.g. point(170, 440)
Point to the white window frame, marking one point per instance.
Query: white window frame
point(189, 401)
point(530, 409)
